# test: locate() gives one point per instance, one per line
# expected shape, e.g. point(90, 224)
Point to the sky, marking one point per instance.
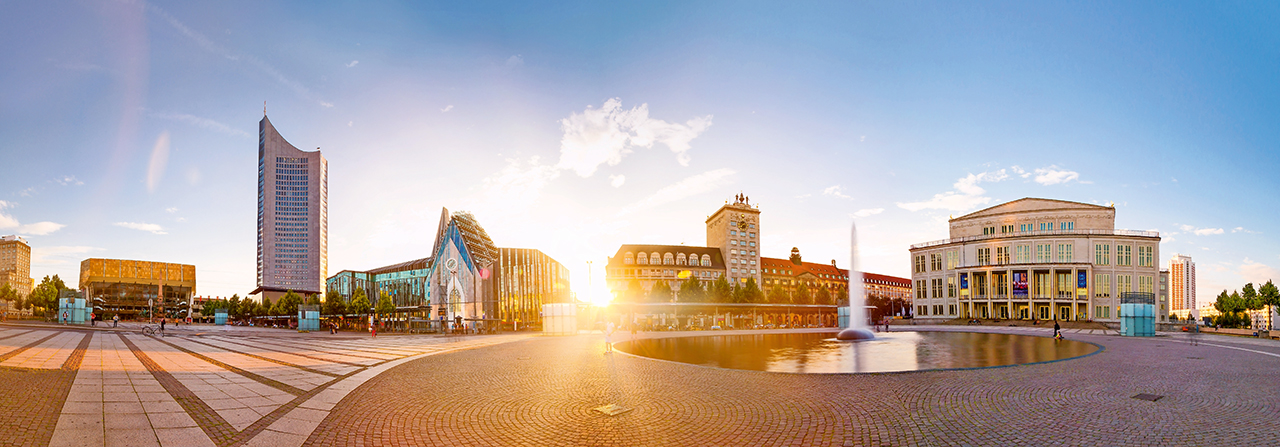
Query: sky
point(127, 128)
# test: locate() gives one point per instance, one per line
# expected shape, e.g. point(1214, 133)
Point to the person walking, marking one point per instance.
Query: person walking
point(1056, 328)
point(115, 320)
point(161, 326)
point(1195, 333)
point(608, 335)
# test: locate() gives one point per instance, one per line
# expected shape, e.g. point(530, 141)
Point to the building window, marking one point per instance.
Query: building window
point(1102, 254)
point(919, 264)
point(953, 259)
point(753, 234)
point(951, 287)
point(1124, 255)
point(922, 291)
point(935, 261)
point(984, 256)
point(733, 232)
point(1067, 226)
point(1002, 255)
point(706, 260)
point(1024, 228)
point(1023, 254)
point(1065, 253)
point(1146, 284)
point(1006, 228)
point(1046, 226)
point(922, 310)
point(1124, 283)
point(680, 259)
point(937, 287)
point(1102, 286)
point(642, 259)
point(1043, 253)
point(1144, 256)
point(951, 309)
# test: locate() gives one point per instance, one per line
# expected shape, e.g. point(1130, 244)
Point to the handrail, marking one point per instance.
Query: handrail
point(1138, 233)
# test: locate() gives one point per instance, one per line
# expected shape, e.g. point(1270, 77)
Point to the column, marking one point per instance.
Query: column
point(1053, 292)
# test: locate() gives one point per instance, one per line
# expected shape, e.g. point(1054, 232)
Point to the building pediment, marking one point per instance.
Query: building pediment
point(1032, 204)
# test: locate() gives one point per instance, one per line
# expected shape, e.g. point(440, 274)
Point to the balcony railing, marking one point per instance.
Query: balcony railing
point(1138, 233)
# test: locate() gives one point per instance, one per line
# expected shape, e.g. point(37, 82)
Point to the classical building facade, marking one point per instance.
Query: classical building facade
point(1182, 282)
point(646, 265)
point(15, 264)
point(789, 274)
point(735, 230)
point(293, 216)
point(1034, 259)
point(132, 288)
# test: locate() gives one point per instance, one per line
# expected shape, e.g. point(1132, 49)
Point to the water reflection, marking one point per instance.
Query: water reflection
point(822, 353)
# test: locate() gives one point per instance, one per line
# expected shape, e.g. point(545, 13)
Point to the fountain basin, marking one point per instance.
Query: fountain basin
point(855, 334)
point(821, 352)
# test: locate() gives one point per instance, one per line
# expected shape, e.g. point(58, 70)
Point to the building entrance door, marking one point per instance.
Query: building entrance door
point(1044, 312)
point(983, 311)
point(1064, 313)
point(1024, 312)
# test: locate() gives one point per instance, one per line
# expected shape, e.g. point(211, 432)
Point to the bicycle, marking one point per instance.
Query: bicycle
point(150, 329)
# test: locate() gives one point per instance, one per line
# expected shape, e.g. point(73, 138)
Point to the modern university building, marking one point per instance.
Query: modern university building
point(133, 288)
point(468, 277)
point(1035, 259)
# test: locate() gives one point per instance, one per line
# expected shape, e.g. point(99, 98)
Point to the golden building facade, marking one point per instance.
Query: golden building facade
point(131, 288)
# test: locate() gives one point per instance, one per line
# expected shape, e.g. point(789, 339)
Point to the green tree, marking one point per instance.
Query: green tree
point(1250, 297)
point(1269, 295)
point(44, 296)
point(234, 308)
point(289, 304)
point(333, 303)
point(359, 303)
point(8, 294)
point(720, 290)
point(802, 295)
point(823, 296)
point(265, 308)
point(385, 304)
point(691, 290)
point(313, 300)
point(751, 292)
point(778, 295)
point(842, 297)
point(660, 292)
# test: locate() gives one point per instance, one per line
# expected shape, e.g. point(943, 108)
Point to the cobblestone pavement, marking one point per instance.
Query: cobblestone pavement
point(541, 391)
point(201, 386)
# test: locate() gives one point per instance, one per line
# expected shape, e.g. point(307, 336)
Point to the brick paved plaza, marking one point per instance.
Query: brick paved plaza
point(233, 386)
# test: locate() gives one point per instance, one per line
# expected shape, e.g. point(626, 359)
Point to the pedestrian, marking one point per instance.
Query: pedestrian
point(162, 327)
point(608, 334)
point(64, 318)
point(1056, 328)
point(115, 320)
point(93, 319)
point(1195, 333)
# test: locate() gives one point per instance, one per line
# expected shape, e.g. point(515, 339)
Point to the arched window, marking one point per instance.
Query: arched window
point(680, 259)
point(706, 260)
point(629, 259)
point(642, 259)
point(668, 259)
point(655, 258)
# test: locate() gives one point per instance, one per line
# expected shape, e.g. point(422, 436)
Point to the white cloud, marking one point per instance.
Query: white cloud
point(1019, 171)
point(1052, 176)
point(515, 61)
point(350, 123)
point(688, 187)
point(68, 180)
point(60, 254)
point(326, 104)
point(605, 135)
point(1242, 230)
point(447, 108)
point(863, 138)
point(159, 158)
point(152, 228)
point(27, 192)
point(1258, 273)
point(204, 123)
point(171, 210)
point(835, 191)
point(617, 180)
point(9, 223)
point(1201, 231)
point(352, 64)
point(868, 212)
point(967, 195)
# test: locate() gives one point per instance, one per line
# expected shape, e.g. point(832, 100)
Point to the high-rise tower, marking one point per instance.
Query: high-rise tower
point(293, 216)
point(735, 230)
point(1182, 283)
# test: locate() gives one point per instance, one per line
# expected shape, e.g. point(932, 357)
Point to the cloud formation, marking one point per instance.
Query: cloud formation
point(1258, 273)
point(352, 64)
point(868, 212)
point(617, 180)
point(603, 136)
point(57, 255)
point(447, 108)
point(203, 123)
point(835, 191)
point(515, 61)
point(151, 228)
point(1053, 176)
point(1201, 231)
point(966, 196)
point(68, 180)
point(9, 223)
point(688, 187)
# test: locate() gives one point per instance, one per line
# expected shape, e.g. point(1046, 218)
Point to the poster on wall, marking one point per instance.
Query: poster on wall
point(964, 284)
point(1020, 284)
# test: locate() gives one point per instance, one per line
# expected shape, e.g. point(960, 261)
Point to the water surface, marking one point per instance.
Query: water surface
point(822, 353)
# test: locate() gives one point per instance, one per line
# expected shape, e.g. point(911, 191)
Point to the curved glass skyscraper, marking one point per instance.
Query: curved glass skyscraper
point(293, 216)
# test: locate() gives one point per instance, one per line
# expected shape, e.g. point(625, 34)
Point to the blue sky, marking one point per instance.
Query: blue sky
point(127, 128)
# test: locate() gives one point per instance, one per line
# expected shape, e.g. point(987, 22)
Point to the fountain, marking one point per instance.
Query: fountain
point(857, 329)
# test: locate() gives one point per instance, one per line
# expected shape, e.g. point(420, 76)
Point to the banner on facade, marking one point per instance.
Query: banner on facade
point(1020, 284)
point(1082, 283)
point(964, 284)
